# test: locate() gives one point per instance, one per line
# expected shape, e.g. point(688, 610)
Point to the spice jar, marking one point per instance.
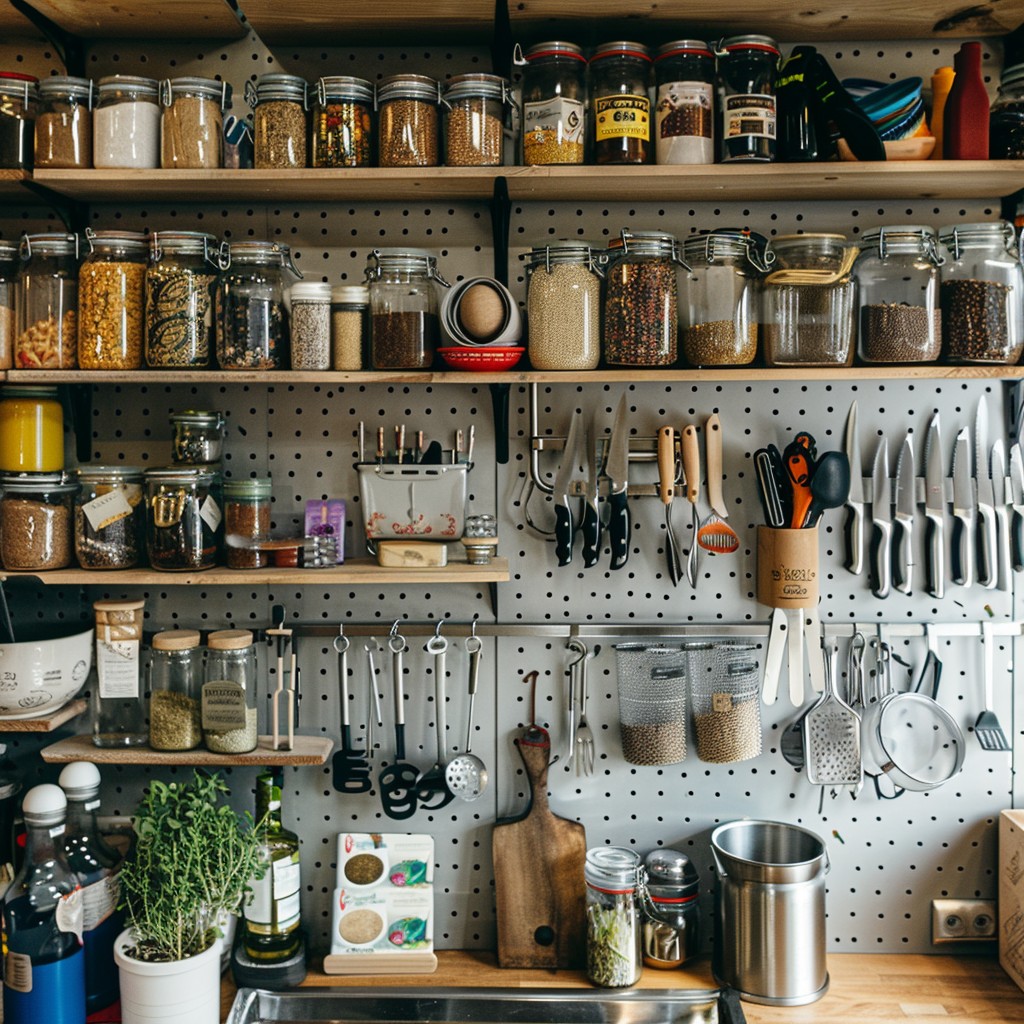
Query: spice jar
point(111, 295)
point(746, 97)
point(35, 522)
point(175, 681)
point(19, 99)
point(229, 692)
point(474, 120)
point(198, 437)
point(180, 282)
point(63, 128)
point(31, 430)
point(311, 325)
point(350, 310)
point(404, 325)
point(640, 306)
point(554, 103)
point(280, 114)
point(1006, 117)
point(670, 913)
point(126, 123)
point(246, 523)
point(110, 517)
point(48, 303)
point(981, 290)
point(183, 522)
point(192, 124)
point(408, 121)
point(897, 274)
point(118, 707)
point(720, 297)
point(8, 302)
point(809, 301)
point(563, 306)
point(684, 104)
point(613, 922)
point(619, 75)
point(343, 122)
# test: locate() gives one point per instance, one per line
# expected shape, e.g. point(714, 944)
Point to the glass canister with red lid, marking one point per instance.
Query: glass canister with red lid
point(619, 80)
point(670, 914)
point(554, 103)
point(747, 66)
point(684, 103)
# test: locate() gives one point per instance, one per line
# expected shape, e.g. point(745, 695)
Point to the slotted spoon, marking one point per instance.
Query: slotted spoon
point(832, 735)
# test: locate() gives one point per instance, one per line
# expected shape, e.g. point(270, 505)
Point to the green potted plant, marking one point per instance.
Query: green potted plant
point(191, 864)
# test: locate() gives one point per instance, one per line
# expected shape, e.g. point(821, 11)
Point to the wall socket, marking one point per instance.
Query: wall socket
point(963, 921)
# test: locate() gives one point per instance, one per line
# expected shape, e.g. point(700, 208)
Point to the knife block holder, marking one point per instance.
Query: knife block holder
point(787, 567)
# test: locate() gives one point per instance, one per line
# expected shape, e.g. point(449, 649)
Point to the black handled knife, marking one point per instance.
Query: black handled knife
point(616, 468)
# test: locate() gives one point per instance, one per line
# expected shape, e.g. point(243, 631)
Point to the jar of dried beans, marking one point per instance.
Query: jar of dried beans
point(110, 518)
point(474, 120)
point(246, 523)
point(280, 120)
point(408, 122)
point(35, 522)
point(19, 100)
point(343, 122)
point(554, 103)
point(111, 295)
point(126, 123)
point(48, 303)
point(63, 131)
point(619, 78)
point(982, 285)
point(897, 276)
point(641, 304)
point(684, 104)
point(311, 325)
point(746, 97)
point(192, 125)
point(183, 521)
point(175, 690)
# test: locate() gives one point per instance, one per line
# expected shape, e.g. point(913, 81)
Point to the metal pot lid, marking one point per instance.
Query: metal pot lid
point(670, 874)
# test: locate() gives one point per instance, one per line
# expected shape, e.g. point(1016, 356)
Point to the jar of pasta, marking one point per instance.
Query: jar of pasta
point(35, 522)
point(192, 124)
point(343, 122)
point(474, 120)
point(183, 521)
point(63, 130)
point(48, 303)
point(126, 123)
point(110, 517)
point(280, 120)
point(554, 103)
point(408, 119)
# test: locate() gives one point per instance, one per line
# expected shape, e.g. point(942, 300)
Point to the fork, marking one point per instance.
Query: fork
point(584, 744)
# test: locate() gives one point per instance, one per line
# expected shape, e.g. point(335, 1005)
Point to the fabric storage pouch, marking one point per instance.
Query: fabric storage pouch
point(402, 502)
point(652, 703)
point(725, 701)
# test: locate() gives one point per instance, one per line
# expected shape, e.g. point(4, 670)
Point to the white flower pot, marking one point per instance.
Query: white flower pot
point(177, 992)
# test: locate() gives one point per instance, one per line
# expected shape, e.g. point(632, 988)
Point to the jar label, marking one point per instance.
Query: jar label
point(99, 901)
point(106, 509)
point(554, 122)
point(117, 665)
point(223, 705)
point(18, 971)
point(683, 116)
point(275, 898)
point(749, 115)
point(210, 513)
point(622, 116)
point(721, 703)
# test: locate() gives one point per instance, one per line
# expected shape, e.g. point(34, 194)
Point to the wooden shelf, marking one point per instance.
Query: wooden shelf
point(307, 750)
point(11, 181)
point(143, 19)
point(47, 723)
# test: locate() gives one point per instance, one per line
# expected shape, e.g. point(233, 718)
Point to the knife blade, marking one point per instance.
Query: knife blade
point(904, 523)
point(935, 508)
point(567, 469)
point(853, 528)
point(1001, 505)
point(590, 528)
point(1017, 504)
point(616, 468)
point(986, 538)
point(881, 522)
point(960, 552)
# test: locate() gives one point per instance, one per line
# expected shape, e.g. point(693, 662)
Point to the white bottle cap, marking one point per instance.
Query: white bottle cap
point(44, 805)
point(80, 780)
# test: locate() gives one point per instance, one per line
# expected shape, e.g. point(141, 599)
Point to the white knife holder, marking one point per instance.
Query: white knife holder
point(421, 502)
point(787, 567)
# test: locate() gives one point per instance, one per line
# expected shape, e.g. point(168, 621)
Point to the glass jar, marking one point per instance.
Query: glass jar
point(809, 302)
point(404, 325)
point(126, 123)
point(474, 120)
point(19, 100)
point(31, 430)
point(982, 285)
point(63, 129)
point(563, 306)
point(280, 120)
point(343, 122)
point(198, 437)
point(229, 692)
point(118, 705)
point(554, 103)
point(183, 522)
point(671, 914)
point(8, 302)
point(640, 306)
point(746, 97)
point(110, 518)
point(720, 297)
point(897, 274)
point(684, 105)
point(350, 311)
point(175, 690)
point(111, 297)
point(407, 121)
point(48, 303)
point(619, 76)
point(35, 522)
point(311, 325)
point(180, 282)
point(246, 523)
point(1006, 117)
point(252, 330)
point(192, 124)
point(613, 921)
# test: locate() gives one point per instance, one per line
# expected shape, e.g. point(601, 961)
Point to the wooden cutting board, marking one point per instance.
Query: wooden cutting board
point(538, 874)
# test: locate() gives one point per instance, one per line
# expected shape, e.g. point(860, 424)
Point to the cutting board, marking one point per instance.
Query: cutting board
point(538, 874)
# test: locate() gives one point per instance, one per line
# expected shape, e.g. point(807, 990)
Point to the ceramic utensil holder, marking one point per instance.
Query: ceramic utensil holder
point(787, 567)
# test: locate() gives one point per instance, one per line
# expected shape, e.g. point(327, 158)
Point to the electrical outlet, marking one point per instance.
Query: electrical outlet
point(963, 921)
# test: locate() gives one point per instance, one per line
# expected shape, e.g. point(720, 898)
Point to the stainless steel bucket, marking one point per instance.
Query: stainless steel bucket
point(770, 912)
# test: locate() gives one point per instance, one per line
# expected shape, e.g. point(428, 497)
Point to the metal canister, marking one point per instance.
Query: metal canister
point(670, 915)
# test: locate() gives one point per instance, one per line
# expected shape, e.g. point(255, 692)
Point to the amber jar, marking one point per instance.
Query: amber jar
point(619, 77)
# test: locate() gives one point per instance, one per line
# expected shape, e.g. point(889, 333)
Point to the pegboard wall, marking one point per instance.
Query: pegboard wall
point(889, 858)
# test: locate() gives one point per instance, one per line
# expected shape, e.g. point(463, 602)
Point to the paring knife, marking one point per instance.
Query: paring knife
point(986, 539)
point(568, 468)
point(616, 468)
point(1001, 504)
point(935, 508)
point(961, 553)
point(1017, 504)
point(853, 528)
point(881, 522)
point(590, 528)
point(903, 553)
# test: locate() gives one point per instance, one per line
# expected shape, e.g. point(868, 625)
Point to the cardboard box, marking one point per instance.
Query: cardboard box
point(1011, 894)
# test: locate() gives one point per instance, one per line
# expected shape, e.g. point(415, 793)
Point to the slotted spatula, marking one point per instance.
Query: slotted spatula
point(832, 734)
point(350, 769)
point(987, 728)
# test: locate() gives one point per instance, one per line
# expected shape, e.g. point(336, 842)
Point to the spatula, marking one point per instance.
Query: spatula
point(397, 781)
point(987, 728)
point(349, 767)
point(714, 533)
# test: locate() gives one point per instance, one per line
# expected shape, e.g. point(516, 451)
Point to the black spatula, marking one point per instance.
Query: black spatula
point(350, 769)
point(397, 781)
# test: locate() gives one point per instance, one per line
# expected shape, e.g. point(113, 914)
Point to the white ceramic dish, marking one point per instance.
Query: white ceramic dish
point(38, 677)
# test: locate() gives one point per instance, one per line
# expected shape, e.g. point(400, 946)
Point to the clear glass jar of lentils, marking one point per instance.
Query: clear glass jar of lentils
point(619, 77)
point(474, 120)
point(408, 121)
point(343, 122)
point(47, 303)
point(111, 296)
point(175, 690)
point(684, 105)
point(563, 306)
point(897, 275)
point(641, 300)
point(246, 523)
point(35, 522)
point(183, 519)
point(110, 518)
point(280, 120)
point(19, 101)
point(746, 97)
point(982, 285)
point(554, 103)
point(192, 124)
point(63, 130)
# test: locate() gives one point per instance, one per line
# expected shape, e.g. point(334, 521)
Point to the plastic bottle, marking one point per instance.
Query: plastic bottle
point(965, 119)
point(942, 82)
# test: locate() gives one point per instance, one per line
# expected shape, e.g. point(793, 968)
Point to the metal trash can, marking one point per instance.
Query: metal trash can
point(770, 912)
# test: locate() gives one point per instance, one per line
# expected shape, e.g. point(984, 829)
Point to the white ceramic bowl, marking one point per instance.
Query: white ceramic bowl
point(918, 148)
point(38, 677)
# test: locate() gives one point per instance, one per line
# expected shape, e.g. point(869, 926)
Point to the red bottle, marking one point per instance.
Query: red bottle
point(965, 119)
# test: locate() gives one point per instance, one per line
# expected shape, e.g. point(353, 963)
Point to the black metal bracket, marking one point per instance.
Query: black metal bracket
point(69, 47)
point(79, 403)
point(501, 43)
point(501, 211)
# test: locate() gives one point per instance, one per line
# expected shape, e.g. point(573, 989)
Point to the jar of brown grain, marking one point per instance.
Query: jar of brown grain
point(35, 522)
point(192, 123)
point(280, 120)
point(246, 523)
point(408, 121)
point(474, 120)
point(63, 130)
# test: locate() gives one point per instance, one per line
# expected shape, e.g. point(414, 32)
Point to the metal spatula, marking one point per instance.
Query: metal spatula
point(987, 728)
point(832, 734)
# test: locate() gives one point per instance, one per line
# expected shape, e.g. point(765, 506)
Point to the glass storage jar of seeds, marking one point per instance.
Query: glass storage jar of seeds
point(981, 293)
point(350, 328)
point(246, 523)
point(563, 306)
point(19, 101)
point(614, 957)
point(280, 120)
point(408, 122)
point(180, 282)
point(343, 122)
point(720, 297)
point(1006, 117)
point(63, 128)
point(619, 76)
point(110, 518)
point(35, 522)
point(640, 306)
point(111, 296)
point(684, 103)
point(198, 437)
point(746, 97)
point(8, 301)
point(229, 692)
point(897, 274)
point(554, 103)
point(126, 122)
point(809, 301)
point(118, 705)
point(183, 519)
point(31, 430)
point(47, 303)
point(474, 120)
point(192, 124)
point(175, 690)
point(311, 325)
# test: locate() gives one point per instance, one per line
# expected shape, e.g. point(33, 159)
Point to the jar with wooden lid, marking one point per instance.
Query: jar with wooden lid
point(192, 122)
point(63, 127)
point(280, 106)
point(554, 103)
point(408, 121)
point(474, 120)
point(19, 102)
point(47, 303)
point(229, 692)
point(619, 80)
point(31, 430)
point(118, 705)
point(343, 117)
point(175, 690)
point(126, 123)
point(110, 518)
point(183, 520)
point(35, 521)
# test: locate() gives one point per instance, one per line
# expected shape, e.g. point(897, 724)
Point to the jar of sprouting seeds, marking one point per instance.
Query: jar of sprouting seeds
point(614, 955)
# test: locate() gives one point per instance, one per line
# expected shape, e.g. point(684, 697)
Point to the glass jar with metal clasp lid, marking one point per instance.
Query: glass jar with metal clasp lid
point(720, 296)
point(554, 102)
point(612, 876)
point(280, 106)
point(620, 75)
point(343, 117)
point(747, 67)
point(563, 305)
point(198, 437)
point(63, 129)
point(897, 274)
point(192, 124)
point(408, 133)
point(126, 123)
point(110, 518)
point(183, 522)
point(19, 101)
point(684, 105)
point(35, 521)
point(669, 909)
point(175, 689)
point(47, 303)
point(473, 109)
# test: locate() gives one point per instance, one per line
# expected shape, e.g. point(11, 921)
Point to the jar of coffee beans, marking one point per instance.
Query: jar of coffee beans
point(474, 120)
point(35, 522)
point(63, 130)
point(554, 103)
point(183, 519)
point(684, 105)
point(192, 125)
point(47, 303)
point(897, 274)
point(175, 690)
point(981, 293)
point(408, 121)
point(229, 692)
point(311, 325)
point(343, 122)
point(280, 120)
point(619, 78)
point(110, 518)
point(19, 101)
point(246, 523)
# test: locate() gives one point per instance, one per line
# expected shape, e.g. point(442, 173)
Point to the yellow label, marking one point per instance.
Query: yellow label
point(622, 116)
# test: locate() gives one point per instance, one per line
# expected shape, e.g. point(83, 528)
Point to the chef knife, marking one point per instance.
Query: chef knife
point(986, 499)
point(881, 522)
point(961, 555)
point(853, 529)
point(1017, 504)
point(935, 508)
point(1001, 504)
point(567, 470)
point(904, 523)
point(590, 528)
point(616, 468)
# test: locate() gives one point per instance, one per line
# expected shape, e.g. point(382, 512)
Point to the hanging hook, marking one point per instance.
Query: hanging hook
point(531, 680)
point(577, 646)
point(473, 643)
point(341, 642)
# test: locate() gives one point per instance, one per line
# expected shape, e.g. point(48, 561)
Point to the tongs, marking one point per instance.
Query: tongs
point(284, 695)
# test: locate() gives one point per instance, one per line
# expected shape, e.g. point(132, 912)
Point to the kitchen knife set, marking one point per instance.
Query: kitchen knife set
point(795, 486)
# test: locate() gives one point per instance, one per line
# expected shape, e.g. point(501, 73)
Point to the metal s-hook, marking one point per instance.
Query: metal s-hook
point(577, 646)
point(473, 644)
